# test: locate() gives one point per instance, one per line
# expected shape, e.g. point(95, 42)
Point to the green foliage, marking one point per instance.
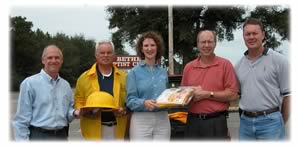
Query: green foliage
point(27, 47)
point(276, 22)
point(129, 22)
point(23, 49)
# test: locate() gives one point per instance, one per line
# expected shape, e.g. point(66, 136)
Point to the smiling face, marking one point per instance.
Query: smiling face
point(105, 54)
point(52, 60)
point(149, 49)
point(206, 43)
point(253, 36)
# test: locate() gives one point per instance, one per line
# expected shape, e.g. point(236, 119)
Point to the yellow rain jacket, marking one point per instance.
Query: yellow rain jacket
point(86, 85)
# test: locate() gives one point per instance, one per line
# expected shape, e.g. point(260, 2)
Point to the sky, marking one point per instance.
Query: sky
point(92, 22)
point(87, 17)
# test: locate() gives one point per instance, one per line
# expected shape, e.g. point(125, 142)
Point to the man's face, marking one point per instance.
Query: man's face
point(52, 60)
point(206, 43)
point(104, 54)
point(253, 36)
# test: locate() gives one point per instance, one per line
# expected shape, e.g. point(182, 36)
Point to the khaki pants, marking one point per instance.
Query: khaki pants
point(150, 126)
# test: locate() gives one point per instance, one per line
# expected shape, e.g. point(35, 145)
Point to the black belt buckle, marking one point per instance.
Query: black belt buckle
point(109, 124)
point(202, 116)
point(210, 115)
point(57, 131)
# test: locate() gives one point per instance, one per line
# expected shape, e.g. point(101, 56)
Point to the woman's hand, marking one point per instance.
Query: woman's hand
point(150, 104)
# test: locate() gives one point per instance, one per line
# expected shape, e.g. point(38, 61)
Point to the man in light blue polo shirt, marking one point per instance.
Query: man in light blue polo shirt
point(263, 76)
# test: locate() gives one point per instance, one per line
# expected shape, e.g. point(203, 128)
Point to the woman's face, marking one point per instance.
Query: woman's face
point(149, 49)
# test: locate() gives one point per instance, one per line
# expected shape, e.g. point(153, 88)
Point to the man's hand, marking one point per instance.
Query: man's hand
point(200, 94)
point(91, 113)
point(120, 112)
point(76, 113)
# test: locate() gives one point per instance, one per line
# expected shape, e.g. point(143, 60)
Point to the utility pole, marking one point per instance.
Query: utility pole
point(171, 63)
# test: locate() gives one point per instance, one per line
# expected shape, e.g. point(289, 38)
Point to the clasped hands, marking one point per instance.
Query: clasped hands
point(200, 94)
point(150, 104)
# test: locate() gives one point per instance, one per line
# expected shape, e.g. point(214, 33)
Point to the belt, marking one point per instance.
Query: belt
point(47, 131)
point(205, 116)
point(109, 124)
point(259, 113)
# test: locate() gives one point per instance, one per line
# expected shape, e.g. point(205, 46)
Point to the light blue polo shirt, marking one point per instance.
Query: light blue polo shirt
point(263, 82)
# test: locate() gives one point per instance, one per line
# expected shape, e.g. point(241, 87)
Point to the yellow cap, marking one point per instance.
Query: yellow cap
point(100, 100)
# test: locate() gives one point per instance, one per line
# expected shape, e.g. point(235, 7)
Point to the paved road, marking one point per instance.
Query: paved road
point(232, 121)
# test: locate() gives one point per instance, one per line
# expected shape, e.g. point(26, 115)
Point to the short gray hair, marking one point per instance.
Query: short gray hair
point(51, 46)
point(104, 42)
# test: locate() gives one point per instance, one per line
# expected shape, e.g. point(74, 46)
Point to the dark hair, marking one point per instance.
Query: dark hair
point(254, 21)
point(157, 39)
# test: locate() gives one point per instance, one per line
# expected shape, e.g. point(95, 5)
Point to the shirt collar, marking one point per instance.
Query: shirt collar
point(48, 77)
point(93, 70)
point(143, 64)
point(265, 52)
point(196, 62)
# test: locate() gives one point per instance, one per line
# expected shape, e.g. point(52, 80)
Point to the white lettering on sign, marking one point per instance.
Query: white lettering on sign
point(125, 62)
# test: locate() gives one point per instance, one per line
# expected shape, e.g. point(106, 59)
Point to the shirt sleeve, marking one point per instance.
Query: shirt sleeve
point(133, 102)
point(184, 76)
point(71, 104)
point(79, 99)
point(23, 115)
point(284, 79)
point(230, 80)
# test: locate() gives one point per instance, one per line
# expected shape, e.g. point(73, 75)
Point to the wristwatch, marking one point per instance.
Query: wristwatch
point(212, 94)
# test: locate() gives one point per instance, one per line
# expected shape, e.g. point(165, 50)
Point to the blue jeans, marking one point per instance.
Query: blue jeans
point(265, 127)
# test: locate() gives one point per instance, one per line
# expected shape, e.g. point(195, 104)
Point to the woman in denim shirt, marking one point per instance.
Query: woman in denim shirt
point(145, 82)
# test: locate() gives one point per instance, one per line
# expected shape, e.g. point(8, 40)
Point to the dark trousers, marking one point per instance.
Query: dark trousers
point(209, 129)
point(37, 133)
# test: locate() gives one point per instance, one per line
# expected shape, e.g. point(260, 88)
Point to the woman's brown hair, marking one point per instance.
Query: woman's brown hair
point(157, 39)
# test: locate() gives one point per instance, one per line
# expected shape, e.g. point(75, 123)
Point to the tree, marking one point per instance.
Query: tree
point(27, 47)
point(189, 21)
point(23, 59)
point(276, 22)
point(130, 22)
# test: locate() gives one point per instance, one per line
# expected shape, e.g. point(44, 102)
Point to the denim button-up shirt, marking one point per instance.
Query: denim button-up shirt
point(143, 84)
point(43, 102)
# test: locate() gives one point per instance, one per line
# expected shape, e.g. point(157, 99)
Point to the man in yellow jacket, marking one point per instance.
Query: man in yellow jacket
point(102, 123)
